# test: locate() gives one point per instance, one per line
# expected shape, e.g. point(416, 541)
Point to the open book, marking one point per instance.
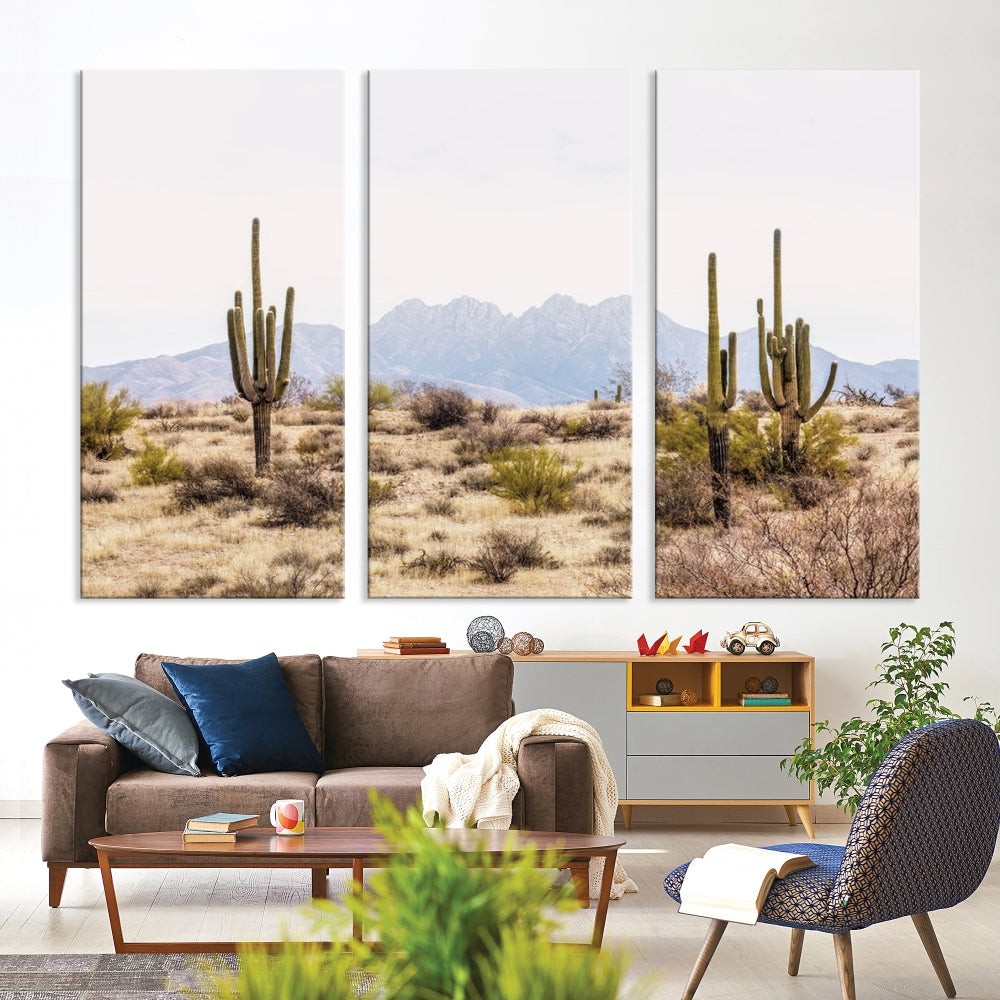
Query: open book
point(731, 881)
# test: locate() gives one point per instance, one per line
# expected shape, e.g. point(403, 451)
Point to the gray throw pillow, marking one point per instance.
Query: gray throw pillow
point(154, 727)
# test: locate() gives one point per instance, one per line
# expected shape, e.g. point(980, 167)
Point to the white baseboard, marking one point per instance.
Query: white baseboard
point(20, 808)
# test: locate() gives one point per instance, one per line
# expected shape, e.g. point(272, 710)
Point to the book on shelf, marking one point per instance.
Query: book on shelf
point(415, 650)
point(658, 700)
point(759, 698)
point(414, 638)
point(732, 881)
point(406, 644)
point(191, 836)
point(221, 822)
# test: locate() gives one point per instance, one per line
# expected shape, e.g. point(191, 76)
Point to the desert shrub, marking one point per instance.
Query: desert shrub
point(380, 460)
point(477, 480)
point(240, 416)
point(199, 585)
point(380, 397)
point(299, 392)
point(502, 552)
point(440, 507)
point(333, 395)
point(213, 480)
point(754, 401)
point(613, 581)
point(441, 563)
point(534, 480)
point(104, 419)
point(302, 496)
point(823, 440)
point(436, 407)
point(683, 493)
point(479, 440)
point(295, 572)
point(381, 491)
point(617, 554)
point(92, 490)
point(551, 421)
point(603, 404)
point(154, 466)
point(489, 412)
point(597, 425)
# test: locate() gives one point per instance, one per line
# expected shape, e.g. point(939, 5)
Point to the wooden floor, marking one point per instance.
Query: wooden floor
point(749, 965)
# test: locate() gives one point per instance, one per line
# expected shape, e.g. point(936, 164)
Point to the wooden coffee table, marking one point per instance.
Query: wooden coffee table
point(322, 848)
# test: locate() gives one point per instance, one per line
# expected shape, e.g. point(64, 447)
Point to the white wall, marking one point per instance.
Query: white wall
point(51, 634)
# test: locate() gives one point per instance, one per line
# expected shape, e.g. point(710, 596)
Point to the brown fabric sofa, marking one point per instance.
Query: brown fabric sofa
point(376, 723)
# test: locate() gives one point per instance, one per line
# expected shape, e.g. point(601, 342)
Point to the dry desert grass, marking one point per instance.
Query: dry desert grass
point(143, 543)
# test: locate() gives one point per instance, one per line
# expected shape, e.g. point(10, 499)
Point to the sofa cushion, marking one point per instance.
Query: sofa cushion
point(143, 801)
point(246, 716)
point(302, 676)
point(342, 796)
point(402, 713)
point(155, 728)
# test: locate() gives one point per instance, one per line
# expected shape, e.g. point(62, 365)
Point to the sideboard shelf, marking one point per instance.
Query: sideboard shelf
point(714, 752)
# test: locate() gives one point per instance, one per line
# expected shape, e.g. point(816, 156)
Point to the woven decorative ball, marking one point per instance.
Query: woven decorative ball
point(688, 697)
point(484, 634)
point(522, 643)
point(752, 684)
point(537, 646)
point(769, 685)
point(664, 685)
point(506, 646)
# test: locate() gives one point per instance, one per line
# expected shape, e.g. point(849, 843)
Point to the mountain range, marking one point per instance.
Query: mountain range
point(558, 352)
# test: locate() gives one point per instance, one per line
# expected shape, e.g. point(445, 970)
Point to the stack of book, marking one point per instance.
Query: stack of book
point(760, 698)
point(217, 828)
point(415, 645)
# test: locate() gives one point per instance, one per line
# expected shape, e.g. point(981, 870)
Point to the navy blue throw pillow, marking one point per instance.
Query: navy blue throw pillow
point(246, 716)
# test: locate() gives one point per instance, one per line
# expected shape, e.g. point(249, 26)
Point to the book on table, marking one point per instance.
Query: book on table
point(732, 881)
point(412, 639)
point(191, 836)
point(221, 822)
point(760, 698)
point(416, 650)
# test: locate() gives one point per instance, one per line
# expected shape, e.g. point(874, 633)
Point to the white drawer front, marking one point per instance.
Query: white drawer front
point(750, 731)
point(696, 777)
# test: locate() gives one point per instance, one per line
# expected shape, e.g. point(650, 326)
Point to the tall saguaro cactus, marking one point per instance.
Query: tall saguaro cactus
point(720, 398)
point(788, 388)
point(268, 380)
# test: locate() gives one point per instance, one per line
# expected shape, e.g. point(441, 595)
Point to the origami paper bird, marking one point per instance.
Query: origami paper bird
point(697, 643)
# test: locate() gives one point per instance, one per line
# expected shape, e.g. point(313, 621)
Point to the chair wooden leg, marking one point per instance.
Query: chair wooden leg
point(845, 964)
point(715, 931)
point(930, 942)
point(795, 950)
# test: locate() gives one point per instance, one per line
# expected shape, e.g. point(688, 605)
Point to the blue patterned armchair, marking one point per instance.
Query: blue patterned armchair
point(922, 839)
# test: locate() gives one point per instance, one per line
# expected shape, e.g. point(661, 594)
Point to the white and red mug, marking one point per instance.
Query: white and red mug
point(288, 817)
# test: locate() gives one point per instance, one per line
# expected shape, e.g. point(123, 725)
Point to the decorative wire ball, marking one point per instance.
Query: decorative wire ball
point(769, 685)
point(522, 642)
point(688, 697)
point(664, 685)
point(506, 646)
point(752, 685)
point(484, 634)
point(537, 646)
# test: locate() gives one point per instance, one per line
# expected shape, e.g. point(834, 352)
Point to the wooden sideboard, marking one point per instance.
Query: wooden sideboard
point(713, 752)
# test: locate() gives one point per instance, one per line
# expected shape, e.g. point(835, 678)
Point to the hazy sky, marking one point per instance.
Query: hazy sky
point(831, 158)
point(175, 167)
point(508, 186)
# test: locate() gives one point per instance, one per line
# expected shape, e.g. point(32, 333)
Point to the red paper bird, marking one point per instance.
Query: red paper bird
point(645, 649)
point(698, 642)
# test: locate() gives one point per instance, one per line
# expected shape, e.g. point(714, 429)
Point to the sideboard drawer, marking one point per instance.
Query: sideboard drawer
point(750, 730)
point(694, 777)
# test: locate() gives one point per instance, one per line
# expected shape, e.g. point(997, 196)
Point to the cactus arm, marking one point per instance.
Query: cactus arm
point(258, 300)
point(285, 364)
point(238, 351)
point(259, 360)
point(803, 366)
point(270, 334)
point(824, 395)
point(778, 324)
point(776, 402)
point(729, 373)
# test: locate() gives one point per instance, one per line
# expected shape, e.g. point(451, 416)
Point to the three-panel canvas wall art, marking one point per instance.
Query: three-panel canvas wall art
point(500, 342)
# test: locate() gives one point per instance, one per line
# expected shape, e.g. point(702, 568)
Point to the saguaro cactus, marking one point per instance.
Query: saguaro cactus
point(788, 388)
point(266, 383)
point(721, 396)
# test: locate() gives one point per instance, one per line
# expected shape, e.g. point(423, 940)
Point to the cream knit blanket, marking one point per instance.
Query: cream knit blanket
point(478, 789)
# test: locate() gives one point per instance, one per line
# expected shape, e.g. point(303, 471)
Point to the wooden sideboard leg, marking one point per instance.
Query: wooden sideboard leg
point(626, 815)
point(57, 879)
point(803, 813)
point(790, 813)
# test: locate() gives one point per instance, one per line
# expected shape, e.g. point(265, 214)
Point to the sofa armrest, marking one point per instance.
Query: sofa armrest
point(557, 785)
point(78, 767)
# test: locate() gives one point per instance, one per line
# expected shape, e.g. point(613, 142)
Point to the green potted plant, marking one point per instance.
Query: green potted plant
point(912, 662)
point(449, 927)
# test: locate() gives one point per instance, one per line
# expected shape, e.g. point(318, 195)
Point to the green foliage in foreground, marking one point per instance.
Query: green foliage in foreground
point(450, 926)
point(104, 419)
point(912, 661)
point(534, 480)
